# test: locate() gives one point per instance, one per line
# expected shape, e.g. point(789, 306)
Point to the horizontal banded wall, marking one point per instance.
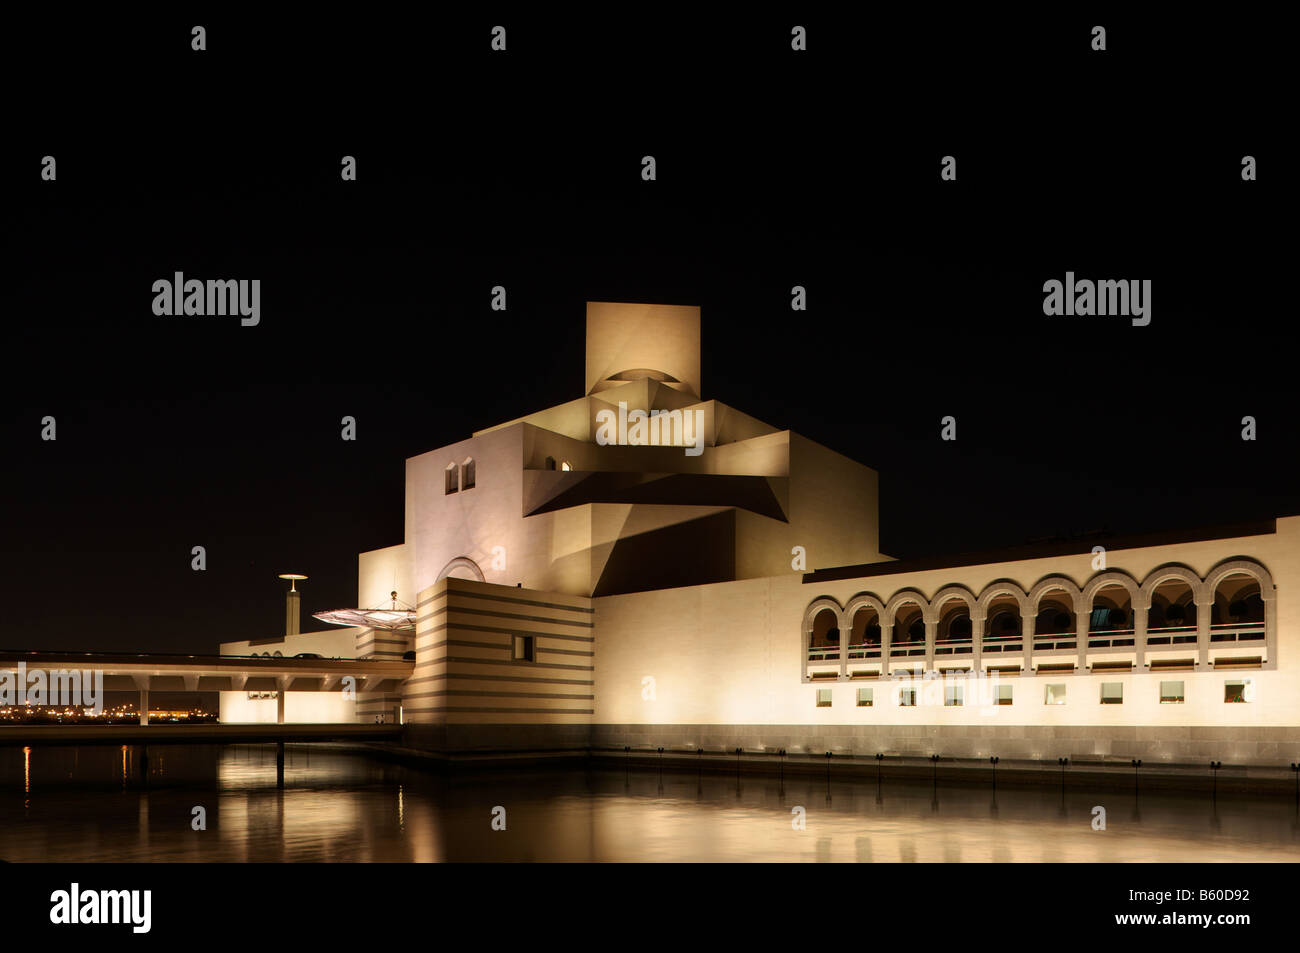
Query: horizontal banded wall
point(383, 644)
point(467, 665)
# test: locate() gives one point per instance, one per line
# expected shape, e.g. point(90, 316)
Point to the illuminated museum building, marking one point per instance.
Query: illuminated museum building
point(623, 569)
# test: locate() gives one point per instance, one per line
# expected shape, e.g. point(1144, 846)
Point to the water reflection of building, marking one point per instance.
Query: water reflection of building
point(628, 567)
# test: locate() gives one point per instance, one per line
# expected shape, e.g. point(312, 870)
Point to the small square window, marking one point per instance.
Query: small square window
point(907, 697)
point(823, 698)
point(864, 698)
point(1171, 693)
point(1237, 691)
point(525, 648)
point(1055, 694)
point(953, 696)
point(1003, 695)
point(1112, 693)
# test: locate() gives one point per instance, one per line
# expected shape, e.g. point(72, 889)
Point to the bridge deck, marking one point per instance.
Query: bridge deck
point(212, 673)
point(44, 735)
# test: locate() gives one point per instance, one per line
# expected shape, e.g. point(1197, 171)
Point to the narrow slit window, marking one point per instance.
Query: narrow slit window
point(467, 474)
point(452, 479)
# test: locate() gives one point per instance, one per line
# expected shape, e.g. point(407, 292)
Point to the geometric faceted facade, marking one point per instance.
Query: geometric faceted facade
point(631, 567)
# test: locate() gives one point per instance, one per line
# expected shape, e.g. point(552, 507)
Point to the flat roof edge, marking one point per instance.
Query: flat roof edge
point(1043, 551)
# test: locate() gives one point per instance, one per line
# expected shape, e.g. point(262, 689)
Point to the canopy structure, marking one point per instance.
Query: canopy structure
point(396, 616)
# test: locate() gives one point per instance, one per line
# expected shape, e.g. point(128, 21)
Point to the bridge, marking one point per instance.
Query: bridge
point(157, 672)
point(243, 734)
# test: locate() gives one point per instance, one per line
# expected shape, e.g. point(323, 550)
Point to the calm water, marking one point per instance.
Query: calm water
point(84, 804)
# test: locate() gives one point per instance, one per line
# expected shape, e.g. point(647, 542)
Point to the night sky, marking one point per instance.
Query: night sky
point(523, 169)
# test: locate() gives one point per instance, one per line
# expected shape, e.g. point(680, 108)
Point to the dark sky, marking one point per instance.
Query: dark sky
point(524, 170)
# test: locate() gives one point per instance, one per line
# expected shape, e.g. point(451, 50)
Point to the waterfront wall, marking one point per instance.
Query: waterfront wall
point(1236, 747)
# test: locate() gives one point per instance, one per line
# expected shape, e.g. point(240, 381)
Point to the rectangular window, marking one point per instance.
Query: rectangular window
point(467, 475)
point(907, 697)
point(1171, 693)
point(952, 696)
point(525, 648)
point(864, 698)
point(823, 698)
point(1004, 695)
point(1055, 694)
point(452, 485)
point(1112, 693)
point(1236, 691)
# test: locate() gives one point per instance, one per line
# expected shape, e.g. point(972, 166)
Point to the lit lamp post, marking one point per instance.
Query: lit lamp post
point(292, 614)
point(292, 601)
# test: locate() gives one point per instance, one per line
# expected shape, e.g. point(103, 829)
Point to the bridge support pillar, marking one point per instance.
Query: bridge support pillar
point(144, 706)
point(279, 765)
point(279, 707)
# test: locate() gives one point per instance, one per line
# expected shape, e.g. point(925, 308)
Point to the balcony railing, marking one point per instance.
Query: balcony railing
point(905, 649)
point(953, 646)
point(1235, 632)
point(1055, 643)
point(1166, 637)
point(1172, 635)
point(1111, 638)
point(1002, 643)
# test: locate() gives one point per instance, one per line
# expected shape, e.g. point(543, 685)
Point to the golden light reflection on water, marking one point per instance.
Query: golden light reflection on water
point(345, 807)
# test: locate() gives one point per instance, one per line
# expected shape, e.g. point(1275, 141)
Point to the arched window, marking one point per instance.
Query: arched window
point(864, 639)
point(467, 474)
point(955, 629)
point(1172, 615)
point(1111, 610)
point(1237, 614)
point(452, 482)
point(825, 636)
point(566, 465)
point(909, 631)
point(550, 463)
